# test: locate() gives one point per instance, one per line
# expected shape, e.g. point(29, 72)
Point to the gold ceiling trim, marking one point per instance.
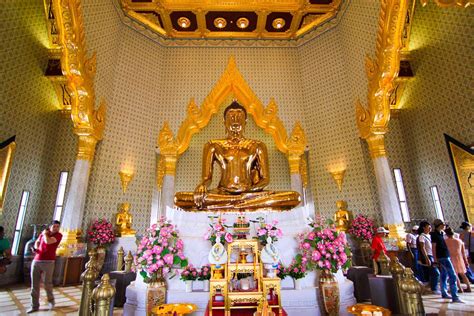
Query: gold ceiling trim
point(298, 9)
point(449, 3)
point(382, 71)
point(80, 71)
point(233, 84)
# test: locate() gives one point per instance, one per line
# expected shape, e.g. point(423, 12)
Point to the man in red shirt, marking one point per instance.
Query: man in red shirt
point(377, 244)
point(45, 248)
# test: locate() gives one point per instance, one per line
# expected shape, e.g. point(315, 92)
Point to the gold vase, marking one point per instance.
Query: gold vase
point(155, 294)
point(101, 253)
point(329, 293)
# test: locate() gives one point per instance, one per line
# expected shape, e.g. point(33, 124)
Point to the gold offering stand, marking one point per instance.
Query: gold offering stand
point(223, 278)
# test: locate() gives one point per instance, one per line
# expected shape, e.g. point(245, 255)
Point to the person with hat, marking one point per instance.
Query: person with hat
point(441, 256)
point(413, 250)
point(378, 245)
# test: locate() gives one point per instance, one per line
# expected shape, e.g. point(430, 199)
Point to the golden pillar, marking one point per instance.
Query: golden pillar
point(88, 278)
point(102, 296)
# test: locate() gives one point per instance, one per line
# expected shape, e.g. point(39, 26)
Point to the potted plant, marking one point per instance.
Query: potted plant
point(205, 276)
point(325, 249)
point(159, 250)
point(296, 270)
point(188, 275)
point(101, 234)
point(362, 229)
point(268, 230)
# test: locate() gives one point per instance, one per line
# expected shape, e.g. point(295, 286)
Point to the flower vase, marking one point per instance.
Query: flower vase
point(329, 293)
point(155, 294)
point(365, 251)
point(101, 253)
point(297, 284)
point(205, 284)
point(189, 286)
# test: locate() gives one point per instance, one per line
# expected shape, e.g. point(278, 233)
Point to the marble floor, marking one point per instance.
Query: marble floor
point(15, 301)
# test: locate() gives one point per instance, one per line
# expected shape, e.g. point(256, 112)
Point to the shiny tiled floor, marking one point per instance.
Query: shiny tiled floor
point(16, 300)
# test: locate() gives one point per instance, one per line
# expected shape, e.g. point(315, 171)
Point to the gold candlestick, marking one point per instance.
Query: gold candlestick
point(125, 178)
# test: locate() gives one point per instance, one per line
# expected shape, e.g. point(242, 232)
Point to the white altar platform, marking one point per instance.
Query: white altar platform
point(192, 227)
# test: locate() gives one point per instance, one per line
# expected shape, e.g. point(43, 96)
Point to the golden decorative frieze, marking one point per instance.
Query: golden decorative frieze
point(381, 72)
point(232, 84)
point(211, 19)
point(79, 71)
point(449, 3)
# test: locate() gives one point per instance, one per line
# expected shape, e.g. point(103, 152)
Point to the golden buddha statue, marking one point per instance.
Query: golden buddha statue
point(342, 217)
point(244, 173)
point(123, 221)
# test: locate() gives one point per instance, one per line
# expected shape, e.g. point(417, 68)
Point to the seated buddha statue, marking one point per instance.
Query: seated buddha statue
point(342, 217)
point(244, 173)
point(123, 221)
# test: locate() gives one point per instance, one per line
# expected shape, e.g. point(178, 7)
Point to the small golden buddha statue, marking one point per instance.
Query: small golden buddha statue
point(342, 217)
point(244, 173)
point(123, 221)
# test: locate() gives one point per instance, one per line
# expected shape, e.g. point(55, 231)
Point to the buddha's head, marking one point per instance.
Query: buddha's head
point(235, 117)
point(124, 207)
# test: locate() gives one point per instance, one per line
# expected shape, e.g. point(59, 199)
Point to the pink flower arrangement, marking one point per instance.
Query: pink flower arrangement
point(323, 248)
point(101, 232)
point(190, 273)
point(281, 271)
point(218, 230)
point(205, 273)
point(362, 228)
point(159, 250)
point(296, 270)
point(268, 230)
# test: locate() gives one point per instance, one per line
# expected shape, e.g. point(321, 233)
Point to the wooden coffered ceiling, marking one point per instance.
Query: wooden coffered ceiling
point(240, 19)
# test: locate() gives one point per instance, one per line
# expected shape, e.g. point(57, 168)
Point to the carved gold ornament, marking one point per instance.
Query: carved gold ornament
point(381, 73)
point(242, 23)
point(220, 23)
point(278, 23)
point(184, 22)
point(449, 3)
point(79, 70)
point(233, 84)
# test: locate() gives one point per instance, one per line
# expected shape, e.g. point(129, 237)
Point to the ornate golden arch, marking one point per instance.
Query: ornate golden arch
point(230, 83)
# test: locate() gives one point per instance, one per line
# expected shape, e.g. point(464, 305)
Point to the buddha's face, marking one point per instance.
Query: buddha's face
point(235, 121)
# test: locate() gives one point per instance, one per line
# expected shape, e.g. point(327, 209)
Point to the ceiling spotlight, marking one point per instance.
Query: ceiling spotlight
point(242, 23)
point(220, 23)
point(278, 23)
point(184, 22)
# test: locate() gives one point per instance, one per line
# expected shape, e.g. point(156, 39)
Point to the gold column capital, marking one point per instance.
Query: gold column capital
point(376, 146)
point(86, 147)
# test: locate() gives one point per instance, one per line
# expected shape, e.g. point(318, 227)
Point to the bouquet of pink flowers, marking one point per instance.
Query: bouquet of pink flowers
point(189, 273)
point(218, 230)
point(101, 232)
point(362, 228)
point(159, 250)
point(296, 270)
point(268, 230)
point(205, 273)
point(324, 248)
point(281, 271)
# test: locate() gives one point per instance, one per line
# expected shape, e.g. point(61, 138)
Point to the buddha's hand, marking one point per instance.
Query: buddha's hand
point(199, 195)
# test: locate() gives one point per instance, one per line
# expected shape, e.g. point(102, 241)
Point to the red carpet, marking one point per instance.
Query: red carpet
point(238, 312)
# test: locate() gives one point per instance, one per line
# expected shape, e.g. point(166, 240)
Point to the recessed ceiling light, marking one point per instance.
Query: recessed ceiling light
point(242, 23)
point(184, 22)
point(220, 23)
point(278, 23)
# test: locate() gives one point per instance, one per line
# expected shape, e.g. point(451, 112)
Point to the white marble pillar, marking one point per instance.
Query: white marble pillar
point(389, 204)
point(76, 198)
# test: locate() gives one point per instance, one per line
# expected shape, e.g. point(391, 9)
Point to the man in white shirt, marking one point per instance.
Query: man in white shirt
point(412, 248)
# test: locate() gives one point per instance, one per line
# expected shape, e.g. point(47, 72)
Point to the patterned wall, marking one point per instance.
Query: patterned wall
point(27, 103)
point(439, 100)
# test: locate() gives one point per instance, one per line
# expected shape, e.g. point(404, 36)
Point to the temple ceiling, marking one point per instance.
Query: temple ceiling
point(232, 19)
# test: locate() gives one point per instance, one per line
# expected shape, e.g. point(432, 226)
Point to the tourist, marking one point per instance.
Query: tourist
point(458, 257)
point(466, 236)
point(412, 248)
point(442, 258)
point(425, 254)
point(43, 263)
point(5, 251)
point(378, 245)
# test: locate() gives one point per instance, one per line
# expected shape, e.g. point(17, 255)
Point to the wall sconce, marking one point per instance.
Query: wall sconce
point(125, 178)
point(338, 176)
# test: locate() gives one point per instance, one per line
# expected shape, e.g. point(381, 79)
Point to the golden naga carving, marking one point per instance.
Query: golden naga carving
point(233, 84)
point(244, 172)
point(80, 71)
point(381, 73)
